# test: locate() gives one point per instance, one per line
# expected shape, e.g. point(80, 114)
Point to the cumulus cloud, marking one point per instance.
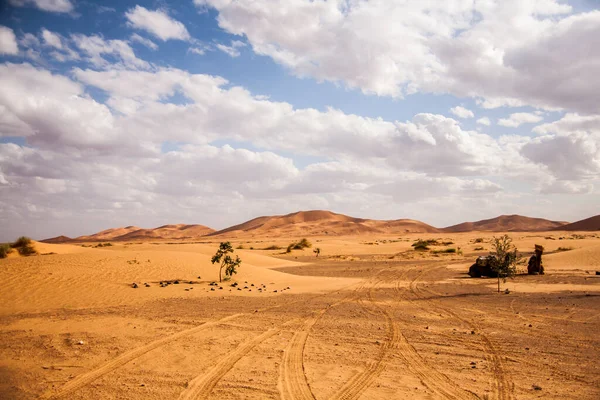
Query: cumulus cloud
point(157, 23)
point(52, 39)
point(361, 166)
point(8, 41)
point(57, 6)
point(96, 48)
point(517, 119)
point(462, 112)
point(484, 121)
point(142, 40)
point(465, 49)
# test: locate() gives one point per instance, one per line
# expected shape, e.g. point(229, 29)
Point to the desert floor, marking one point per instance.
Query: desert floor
point(369, 318)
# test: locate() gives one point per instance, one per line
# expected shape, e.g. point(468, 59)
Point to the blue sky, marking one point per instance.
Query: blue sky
point(373, 109)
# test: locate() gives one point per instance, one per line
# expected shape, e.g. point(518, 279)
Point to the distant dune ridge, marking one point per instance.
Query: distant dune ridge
point(588, 224)
point(320, 222)
point(506, 223)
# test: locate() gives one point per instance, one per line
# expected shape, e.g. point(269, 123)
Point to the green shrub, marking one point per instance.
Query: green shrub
point(27, 250)
point(301, 245)
point(421, 245)
point(20, 242)
point(304, 243)
point(4, 250)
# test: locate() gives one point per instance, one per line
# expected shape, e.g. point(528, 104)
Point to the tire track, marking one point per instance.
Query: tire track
point(436, 381)
point(89, 377)
point(201, 386)
point(85, 379)
point(502, 389)
point(292, 378)
point(361, 382)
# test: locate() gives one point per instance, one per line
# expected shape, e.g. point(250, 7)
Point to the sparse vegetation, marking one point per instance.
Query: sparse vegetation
point(478, 240)
point(422, 245)
point(4, 250)
point(317, 251)
point(504, 258)
point(24, 246)
point(227, 262)
point(478, 248)
point(103, 245)
point(240, 247)
point(301, 245)
point(445, 251)
point(273, 247)
point(563, 249)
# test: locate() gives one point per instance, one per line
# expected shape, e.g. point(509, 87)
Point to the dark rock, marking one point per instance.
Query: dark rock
point(134, 285)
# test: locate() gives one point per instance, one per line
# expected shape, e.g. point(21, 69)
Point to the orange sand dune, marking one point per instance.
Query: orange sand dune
point(506, 223)
point(588, 224)
point(312, 223)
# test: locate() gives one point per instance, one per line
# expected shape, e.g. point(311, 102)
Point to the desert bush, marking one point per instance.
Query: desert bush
point(479, 240)
point(564, 249)
point(421, 245)
point(24, 246)
point(20, 242)
point(478, 248)
point(301, 245)
point(27, 250)
point(304, 243)
point(4, 250)
point(240, 247)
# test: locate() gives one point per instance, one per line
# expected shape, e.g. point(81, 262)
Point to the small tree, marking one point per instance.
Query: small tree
point(222, 256)
point(504, 258)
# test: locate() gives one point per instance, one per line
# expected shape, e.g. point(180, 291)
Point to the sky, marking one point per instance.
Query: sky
point(213, 112)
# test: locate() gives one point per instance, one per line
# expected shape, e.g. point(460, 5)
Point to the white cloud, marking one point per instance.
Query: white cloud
point(517, 119)
point(427, 166)
point(58, 6)
point(394, 48)
point(462, 112)
point(233, 50)
point(52, 39)
point(95, 47)
point(142, 40)
point(8, 41)
point(484, 121)
point(158, 23)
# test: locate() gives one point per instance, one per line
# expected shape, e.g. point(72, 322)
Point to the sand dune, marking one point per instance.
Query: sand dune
point(369, 317)
point(326, 223)
point(588, 224)
point(506, 223)
point(319, 222)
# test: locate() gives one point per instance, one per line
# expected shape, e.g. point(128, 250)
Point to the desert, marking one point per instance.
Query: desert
point(299, 199)
point(367, 317)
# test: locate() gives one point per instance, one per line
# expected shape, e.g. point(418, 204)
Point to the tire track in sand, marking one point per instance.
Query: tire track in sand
point(85, 379)
point(201, 386)
point(503, 390)
point(292, 378)
point(361, 381)
point(88, 377)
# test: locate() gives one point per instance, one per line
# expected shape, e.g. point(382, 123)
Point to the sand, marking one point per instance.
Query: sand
point(368, 318)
